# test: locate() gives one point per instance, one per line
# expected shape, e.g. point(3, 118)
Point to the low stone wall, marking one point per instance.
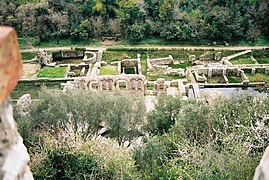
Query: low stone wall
point(159, 61)
point(129, 63)
point(89, 57)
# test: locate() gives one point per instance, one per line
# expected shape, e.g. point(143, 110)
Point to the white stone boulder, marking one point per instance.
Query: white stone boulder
point(262, 170)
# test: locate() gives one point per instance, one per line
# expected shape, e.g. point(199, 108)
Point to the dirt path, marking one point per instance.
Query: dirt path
point(157, 47)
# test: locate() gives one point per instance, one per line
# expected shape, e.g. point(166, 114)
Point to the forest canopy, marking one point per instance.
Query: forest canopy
point(183, 20)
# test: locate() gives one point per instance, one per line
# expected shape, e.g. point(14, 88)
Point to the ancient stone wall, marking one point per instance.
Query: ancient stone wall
point(89, 57)
point(13, 154)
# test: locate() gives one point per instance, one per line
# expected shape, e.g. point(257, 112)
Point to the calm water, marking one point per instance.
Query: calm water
point(231, 91)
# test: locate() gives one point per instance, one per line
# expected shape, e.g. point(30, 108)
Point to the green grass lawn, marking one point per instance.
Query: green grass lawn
point(263, 60)
point(150, 88)
point(150, 41)
point(122, 88)
point(153, 76)
point(110, 56)
point(68, 42)
point(108, 70)
point(52, 72)
point(183, 65)
point(234, 79)
point(243, 60)
point(28, 55)
point(258, 77)
point(62, 42)
point(215, 80)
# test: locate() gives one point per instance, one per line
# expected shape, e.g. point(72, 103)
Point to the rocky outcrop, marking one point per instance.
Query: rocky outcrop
point(24, 103)
point(13, 154)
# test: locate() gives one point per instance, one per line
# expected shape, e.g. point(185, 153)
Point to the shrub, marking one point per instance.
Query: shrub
point(58, 159)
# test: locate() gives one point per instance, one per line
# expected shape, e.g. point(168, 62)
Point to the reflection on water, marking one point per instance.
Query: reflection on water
point(230, 91)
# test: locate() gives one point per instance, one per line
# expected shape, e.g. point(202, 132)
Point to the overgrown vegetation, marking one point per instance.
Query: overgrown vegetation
point(258, 77)
point(215, 80)
point(185, 139)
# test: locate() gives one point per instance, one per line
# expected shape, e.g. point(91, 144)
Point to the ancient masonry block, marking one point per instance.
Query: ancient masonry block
point(13, 154)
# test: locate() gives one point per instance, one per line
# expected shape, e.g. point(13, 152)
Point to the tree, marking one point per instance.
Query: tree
point(114, 26)
point(60, 25)
point(84, 31)
point(126, 117)
point(166, 10)
point(163, 117)
point(135, 32)
point(98, 26)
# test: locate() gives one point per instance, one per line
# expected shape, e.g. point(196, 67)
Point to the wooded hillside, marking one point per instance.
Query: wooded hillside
point(220, 20)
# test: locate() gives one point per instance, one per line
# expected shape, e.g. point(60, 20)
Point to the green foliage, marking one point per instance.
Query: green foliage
point(261, 56)
point(58, 159)
point(125, 117)
point(187, 139)
point(135, 32)
point(22, 43)
point(192, 21)
point(152, 157)
point(52, 72)
point(162, 118)
point(224, 140)
point(82, 113)
point(61, 163)
point(83, 31)
point(33, 88)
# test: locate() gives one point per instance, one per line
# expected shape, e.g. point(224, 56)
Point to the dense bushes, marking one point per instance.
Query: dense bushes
point(83, 113)
point(182, 140)
point(219, 141)
point(68, 159)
